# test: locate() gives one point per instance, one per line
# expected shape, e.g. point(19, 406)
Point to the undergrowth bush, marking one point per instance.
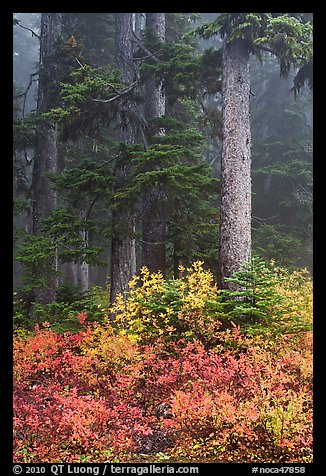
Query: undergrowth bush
point(267, 300)
point(63, 311)
point(101, 396)
point(171, 308)
point(174, 378)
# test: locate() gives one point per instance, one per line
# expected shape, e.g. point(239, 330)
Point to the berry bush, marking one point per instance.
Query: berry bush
point(108, 392)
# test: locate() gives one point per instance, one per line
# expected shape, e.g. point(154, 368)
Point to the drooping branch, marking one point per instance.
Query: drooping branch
point(274, 52)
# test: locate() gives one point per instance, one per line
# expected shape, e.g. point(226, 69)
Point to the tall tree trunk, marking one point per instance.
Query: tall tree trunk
point(45, 159)
point(123, 250)
point(78, 273)
point(154, 93)
point(138, 25)
point(235, 229)
point(154, 226)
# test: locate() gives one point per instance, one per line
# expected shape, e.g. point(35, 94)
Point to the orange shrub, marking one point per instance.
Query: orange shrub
point(98, 396)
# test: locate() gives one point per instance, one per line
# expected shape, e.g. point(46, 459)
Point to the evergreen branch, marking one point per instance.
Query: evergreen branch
point(274, 53)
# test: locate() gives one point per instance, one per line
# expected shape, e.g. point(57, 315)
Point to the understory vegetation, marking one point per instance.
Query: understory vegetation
point(176, 372)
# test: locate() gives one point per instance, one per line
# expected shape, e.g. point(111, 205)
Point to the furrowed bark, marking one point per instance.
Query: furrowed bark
point(235, 227)
point(45, 154)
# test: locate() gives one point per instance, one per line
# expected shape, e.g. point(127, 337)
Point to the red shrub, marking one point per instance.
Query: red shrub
point(103, 397)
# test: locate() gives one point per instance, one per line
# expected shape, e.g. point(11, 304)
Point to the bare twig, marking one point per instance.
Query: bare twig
point(142, 47)
point(80, 64)
point(24, 94)
point(28, 29)
point(141, 58)
point(120, 93)
point(265, 219)
point(90, 207)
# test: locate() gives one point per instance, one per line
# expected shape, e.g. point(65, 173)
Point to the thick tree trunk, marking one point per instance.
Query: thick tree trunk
point(123, 249)
point(154, 233)
point(154, 227)
point(45, 157)
point(154, 93)
point(235, 228)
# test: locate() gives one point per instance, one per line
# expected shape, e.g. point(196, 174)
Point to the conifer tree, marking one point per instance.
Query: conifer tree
point(235, 226)
point(123, 251)
point(45, 155)
point(289, 39)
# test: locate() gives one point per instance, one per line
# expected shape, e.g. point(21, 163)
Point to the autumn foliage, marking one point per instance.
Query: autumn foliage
point(105, 394)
